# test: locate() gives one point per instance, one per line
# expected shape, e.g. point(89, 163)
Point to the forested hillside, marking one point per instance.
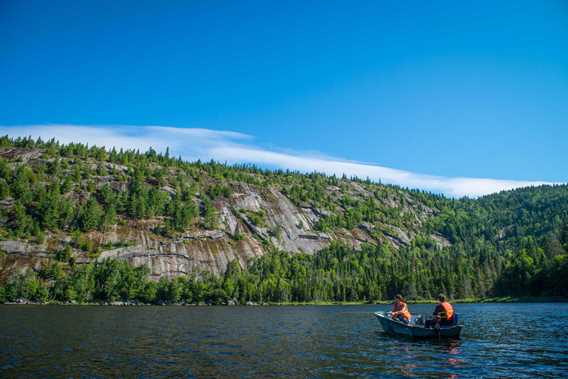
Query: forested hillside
point(87, 224)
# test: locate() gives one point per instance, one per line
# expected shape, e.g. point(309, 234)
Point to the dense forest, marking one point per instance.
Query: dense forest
point(513, 243)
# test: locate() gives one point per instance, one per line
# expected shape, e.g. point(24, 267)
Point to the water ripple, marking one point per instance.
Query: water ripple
point(510, 340)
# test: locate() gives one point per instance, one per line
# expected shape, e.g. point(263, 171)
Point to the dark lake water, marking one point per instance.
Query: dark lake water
point(499, 340)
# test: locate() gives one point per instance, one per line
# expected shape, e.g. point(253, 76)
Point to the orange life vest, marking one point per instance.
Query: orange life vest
point(402, 309)
point(448, 310)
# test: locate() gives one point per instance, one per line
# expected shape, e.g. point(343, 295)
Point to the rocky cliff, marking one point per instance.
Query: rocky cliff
point(255, 211)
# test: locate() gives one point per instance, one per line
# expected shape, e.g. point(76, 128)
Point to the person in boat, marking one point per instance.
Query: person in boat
point(400, 310)
point(443, 313)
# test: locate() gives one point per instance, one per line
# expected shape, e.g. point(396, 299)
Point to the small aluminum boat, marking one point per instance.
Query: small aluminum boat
point(412, 329)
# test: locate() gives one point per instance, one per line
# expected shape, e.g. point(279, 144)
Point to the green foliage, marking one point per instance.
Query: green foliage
point(258, 218)
point(91, 215)
point(219, 190)
point(64, 255)
point(109, 281)
point(182, 213)
point(510, 243)
point(209, 215)
point(334, 274)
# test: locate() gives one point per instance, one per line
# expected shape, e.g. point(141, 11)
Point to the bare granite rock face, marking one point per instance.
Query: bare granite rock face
point(294, 226)
point(248, 221)
point(19, 257)
point(186, 256)
point(229, 220)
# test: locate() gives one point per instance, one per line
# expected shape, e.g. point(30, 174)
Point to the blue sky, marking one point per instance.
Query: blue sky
point(441, 90)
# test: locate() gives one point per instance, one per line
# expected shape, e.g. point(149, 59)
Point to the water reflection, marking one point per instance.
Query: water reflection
point(499, 340)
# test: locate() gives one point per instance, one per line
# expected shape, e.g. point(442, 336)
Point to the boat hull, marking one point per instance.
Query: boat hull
point(397, 327)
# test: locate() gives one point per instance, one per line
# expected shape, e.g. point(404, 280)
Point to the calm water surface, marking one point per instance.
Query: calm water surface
point(499, 340)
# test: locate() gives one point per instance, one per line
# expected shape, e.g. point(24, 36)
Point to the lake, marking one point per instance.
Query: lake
point(499, 340)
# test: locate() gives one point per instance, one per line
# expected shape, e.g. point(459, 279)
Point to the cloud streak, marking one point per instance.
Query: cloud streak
point(234, 147)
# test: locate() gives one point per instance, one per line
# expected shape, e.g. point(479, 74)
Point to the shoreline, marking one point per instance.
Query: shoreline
point(489, 300)
point(486, 300)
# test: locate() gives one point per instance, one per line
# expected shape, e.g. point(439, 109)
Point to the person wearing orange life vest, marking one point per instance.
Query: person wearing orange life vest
point(400, 310)
point(443, 313)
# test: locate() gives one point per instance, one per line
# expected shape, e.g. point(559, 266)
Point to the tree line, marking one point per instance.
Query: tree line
point(333, 274)
point(510, 243)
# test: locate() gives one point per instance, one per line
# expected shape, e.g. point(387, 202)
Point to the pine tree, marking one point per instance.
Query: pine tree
point(90, 217)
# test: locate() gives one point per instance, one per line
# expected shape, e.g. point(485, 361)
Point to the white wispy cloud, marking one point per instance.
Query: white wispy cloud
point(234, 147)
